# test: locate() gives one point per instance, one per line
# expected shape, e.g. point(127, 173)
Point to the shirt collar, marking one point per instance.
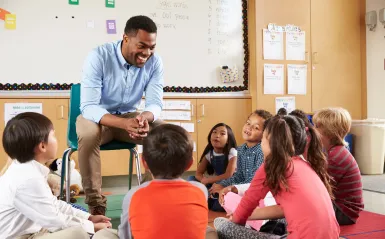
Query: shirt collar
point(247, 148)
point(44, 170)
point(119, 54)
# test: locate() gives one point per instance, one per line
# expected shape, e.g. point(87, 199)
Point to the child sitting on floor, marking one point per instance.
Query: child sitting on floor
point(219, 159)
point(167, 206)
point(334, 124)
point(28, 209)
point(300, 187)
point(250, 156)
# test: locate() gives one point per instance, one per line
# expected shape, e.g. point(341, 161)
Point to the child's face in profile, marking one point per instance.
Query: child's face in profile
point(219, 137)
point(325, 140)
point(253, 129)
point(265, 145)
point(50, 146)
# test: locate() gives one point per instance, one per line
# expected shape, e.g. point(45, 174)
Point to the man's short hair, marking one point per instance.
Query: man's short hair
point(136, 23)
point(23, 133)
point(168, 150)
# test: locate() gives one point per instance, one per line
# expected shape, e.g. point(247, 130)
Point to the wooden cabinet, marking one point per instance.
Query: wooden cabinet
point(336, 49)
point(205, 113)
point(335, 40)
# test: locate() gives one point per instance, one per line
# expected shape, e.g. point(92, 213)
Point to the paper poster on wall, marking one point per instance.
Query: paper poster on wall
point(110, 3)
point(296, 79)
point(73, 2)
point(10, 21)
point(174, 123)
point(13, 109)
point(285, 102)
point(273, 77)
point(176, 115)
point(177, 104)
point(111, 26)
point(272, 45)
point(295, 46)
point(189, 127)
point(3, 12)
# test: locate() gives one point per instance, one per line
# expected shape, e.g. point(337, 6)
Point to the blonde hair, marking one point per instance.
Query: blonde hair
point(335, 124)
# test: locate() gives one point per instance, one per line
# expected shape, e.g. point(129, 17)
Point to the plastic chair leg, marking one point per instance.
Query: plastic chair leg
point(130, 164)
point(63, 173)
point(138, 170)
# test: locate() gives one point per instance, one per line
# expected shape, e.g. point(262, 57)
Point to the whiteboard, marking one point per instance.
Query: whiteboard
point(195, 38)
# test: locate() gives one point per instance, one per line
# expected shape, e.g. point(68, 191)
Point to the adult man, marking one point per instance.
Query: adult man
point(115, 76)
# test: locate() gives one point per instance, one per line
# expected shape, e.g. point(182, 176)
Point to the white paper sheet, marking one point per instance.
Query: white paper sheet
point(273, 79)
point(195, 147)
point(285, 102)
point(13, 109)
point(297, 77)
point(188, 126)
point(176, 115)
point(295, 46)
point(272, 45)
point(175, 123)
point(177, 105)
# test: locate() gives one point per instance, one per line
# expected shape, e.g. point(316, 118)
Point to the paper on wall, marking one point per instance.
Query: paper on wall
point(285, 102)
point(176, 115)
point(272, 45)
point(177, 105)
point(295, 46)
point(297, 77)
point(174, 123)
point(273, 79)
point(13, 109)
point(188, 126)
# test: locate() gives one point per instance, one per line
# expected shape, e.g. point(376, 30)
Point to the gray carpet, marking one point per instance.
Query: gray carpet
point(374, 183)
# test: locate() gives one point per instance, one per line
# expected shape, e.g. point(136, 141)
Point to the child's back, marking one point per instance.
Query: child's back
point(170, 208)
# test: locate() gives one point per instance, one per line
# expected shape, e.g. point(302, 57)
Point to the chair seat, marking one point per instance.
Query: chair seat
point(113, 145)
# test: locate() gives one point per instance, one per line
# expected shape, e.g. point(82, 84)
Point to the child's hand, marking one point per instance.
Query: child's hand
point(216, 188)
point(102, 225)
point(205, 180)
point(99, 218)
point(223, 192)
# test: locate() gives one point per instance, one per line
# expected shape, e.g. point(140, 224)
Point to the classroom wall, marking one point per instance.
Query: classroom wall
point(375, 54)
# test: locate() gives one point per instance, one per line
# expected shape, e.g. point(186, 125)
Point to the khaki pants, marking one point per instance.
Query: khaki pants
point(113, 234)
point(90, 137)
point(72, 232)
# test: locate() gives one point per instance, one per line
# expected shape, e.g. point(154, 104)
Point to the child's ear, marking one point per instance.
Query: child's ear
point(40, 148)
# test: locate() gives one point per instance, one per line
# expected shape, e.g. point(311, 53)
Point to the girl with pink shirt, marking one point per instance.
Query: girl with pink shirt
point(300, 187)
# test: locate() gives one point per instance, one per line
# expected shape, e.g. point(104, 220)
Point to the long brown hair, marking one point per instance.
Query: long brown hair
point(287, 138)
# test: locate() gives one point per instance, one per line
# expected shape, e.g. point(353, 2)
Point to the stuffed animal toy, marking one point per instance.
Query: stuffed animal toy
point(76, 179)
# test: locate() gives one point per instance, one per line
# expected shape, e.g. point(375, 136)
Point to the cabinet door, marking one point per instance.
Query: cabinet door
point(55, 109)
point(194, 135)
point(233, 112)
point(296, 12)
point(336, 56)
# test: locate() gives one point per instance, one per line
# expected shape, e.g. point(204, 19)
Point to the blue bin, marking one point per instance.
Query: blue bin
point(349, 140)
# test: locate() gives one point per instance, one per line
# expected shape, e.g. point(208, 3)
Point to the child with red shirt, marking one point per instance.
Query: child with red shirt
point(300, 187)
point(334, 124)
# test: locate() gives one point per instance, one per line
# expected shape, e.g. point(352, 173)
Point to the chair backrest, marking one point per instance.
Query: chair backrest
point(74, 112)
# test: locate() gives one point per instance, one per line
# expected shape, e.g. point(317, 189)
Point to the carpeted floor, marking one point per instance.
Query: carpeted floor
point(374, 183)
point(369, 225)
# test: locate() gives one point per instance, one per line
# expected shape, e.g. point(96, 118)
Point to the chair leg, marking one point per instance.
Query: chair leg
point(63, 173)
point(138, 169)
point(68, 176)
point(130, 164)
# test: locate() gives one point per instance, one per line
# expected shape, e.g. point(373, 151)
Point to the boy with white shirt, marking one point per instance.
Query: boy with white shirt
point(28, 209)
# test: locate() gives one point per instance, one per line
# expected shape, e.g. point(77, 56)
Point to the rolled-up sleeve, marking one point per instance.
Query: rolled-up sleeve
point(91, 88)
point(154, 90)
